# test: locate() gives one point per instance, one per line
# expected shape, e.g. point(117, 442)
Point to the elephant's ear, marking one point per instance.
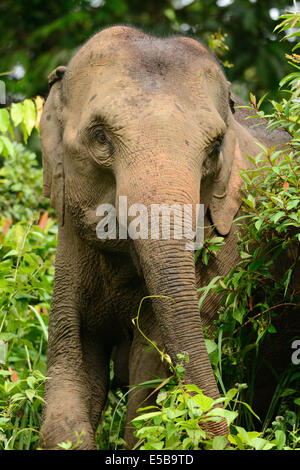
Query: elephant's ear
point(52, 150)
point(227, 197)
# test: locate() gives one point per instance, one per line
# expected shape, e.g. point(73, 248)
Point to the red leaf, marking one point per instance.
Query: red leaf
point(43, 221)
point(6, 227)
point(250, 303)
point(286, 186)
point(14, 376)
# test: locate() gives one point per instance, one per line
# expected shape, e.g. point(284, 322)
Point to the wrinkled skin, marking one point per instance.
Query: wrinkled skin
point(150, 119)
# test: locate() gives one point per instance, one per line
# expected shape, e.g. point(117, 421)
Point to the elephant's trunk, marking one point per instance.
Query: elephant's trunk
point(169, 270)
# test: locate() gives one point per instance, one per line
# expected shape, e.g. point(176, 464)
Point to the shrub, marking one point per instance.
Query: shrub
point(27, 249)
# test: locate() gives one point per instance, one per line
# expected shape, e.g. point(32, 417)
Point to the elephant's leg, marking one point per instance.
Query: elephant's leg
point(78, 360)
point(75, 397)
point(144, 365)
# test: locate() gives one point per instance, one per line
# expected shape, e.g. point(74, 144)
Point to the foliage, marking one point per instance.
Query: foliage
point(27, 249)
point(180, 419)
point(49, 33)
point(261, 290)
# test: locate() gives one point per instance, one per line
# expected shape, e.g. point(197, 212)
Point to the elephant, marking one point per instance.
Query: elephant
point(152, 119)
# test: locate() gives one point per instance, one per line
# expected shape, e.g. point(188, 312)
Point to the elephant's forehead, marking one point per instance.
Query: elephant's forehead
point(130, 102)
point(152, 63)
point(122, 71)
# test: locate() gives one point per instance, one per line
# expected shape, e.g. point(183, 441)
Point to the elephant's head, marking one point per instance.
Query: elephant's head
point(151, 119)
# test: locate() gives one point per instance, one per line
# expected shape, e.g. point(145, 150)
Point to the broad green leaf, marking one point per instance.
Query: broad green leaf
point(4, 120)
point(161, 397)
point(219, 443)
point(210, 346)
point(229, 416)
point(30, 394)
point(230, 395)
point(17, 113)
point(261, 444)
point(7, 146)
point(149, 430)
point(278, 216)
point(65, 445)
point(204, 402)
point(29, 115)
point(280, 439)
point(31, 381)
point(192, 388)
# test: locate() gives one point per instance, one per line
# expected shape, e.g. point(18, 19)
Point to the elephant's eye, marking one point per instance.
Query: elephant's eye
point(99, 136)
point(216, 149)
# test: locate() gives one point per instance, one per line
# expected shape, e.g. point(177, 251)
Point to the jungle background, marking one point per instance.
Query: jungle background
point(36, 37)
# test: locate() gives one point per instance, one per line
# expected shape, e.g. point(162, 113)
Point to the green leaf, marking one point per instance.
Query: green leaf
point(146, 416)
point(210, 346)
point(278, 216)
point(29, 115)
point(65, 445)
point(38, 316)
point(207, 289)
point(258, 224)
point(219, 443)
point(162, 396)
point(170, 14)
point(271, 329)
point(31, 381)
point(230, 395)
point(261, 444)
point(288, 78)
point(229, 416)
point(17, 113)
point(280, 439)
point(30, 394)
point(205, 403)
point(4, 120)
point(7, 146)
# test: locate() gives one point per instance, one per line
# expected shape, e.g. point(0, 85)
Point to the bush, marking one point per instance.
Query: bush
point(27, 249)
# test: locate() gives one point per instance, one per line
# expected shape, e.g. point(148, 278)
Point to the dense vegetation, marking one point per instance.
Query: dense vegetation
point(250, 295)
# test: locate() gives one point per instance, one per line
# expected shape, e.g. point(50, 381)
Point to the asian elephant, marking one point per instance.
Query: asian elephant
point(151, 119)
